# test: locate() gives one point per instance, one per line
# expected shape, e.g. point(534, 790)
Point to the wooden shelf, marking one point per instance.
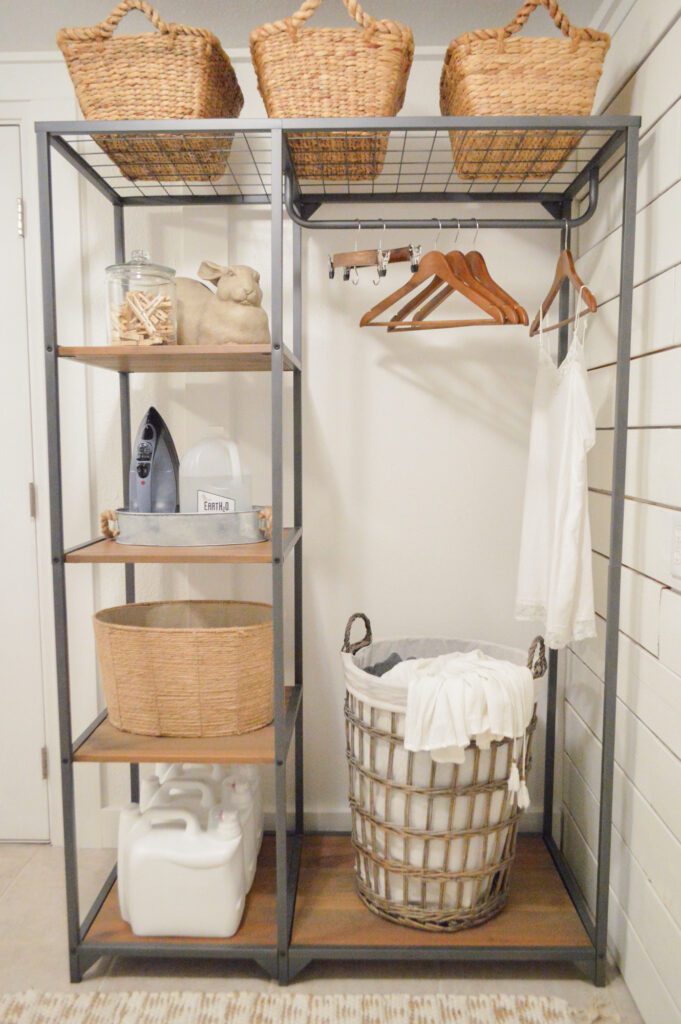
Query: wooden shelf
point(235, 554)
point(107, 744)
point(330, 913)
point(258, 926)
point(176, 358)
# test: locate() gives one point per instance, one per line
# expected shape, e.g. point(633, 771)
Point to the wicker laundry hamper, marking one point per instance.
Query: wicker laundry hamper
point(175, 72)
point(488, 73)
point(434, 843)
point(329, 72)
point(186, 668)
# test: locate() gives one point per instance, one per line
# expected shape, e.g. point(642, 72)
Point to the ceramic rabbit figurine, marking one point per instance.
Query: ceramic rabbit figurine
point(231, 315)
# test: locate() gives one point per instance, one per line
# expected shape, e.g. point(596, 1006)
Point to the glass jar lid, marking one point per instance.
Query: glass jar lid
point(140, 268)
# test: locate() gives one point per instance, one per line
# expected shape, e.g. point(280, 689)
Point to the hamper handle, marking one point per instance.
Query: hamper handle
point(105, 29)
point(308, 8)
point(349, 648)
point(560, 20)
point(536, 657)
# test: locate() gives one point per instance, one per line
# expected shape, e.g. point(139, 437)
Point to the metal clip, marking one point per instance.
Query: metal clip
point(332, 269)
point(415, 257)
point(383, 259)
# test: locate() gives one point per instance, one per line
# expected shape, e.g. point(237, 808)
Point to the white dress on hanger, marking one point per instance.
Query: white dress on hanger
point(555, 582)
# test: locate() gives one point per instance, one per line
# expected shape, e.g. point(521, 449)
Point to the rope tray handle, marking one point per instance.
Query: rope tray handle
point(307, 9)
point(350, 648)
point(536, 657)
point(559, 17)
point(105, 29)
point(108, 524)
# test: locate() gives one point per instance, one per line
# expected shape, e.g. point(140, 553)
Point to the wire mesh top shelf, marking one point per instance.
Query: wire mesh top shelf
point(388, 159)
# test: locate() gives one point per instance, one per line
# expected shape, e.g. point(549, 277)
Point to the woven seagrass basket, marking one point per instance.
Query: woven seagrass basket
point(434, 843)
point(175, 72)
point(325, 72)
point(186, 668)
point(488, 73)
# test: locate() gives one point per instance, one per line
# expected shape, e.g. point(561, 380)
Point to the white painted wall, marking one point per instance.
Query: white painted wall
point(641, 76)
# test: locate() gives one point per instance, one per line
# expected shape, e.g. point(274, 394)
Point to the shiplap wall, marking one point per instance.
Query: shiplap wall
point(642, 76)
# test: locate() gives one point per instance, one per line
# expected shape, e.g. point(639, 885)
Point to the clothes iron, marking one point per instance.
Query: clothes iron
point(154, 467)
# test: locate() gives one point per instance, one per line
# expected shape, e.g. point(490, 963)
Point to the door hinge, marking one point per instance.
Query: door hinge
point(31, 500)
point(20, 216)
point(43, 761)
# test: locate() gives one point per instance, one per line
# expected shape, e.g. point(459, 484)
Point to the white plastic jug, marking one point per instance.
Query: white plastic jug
point(193, 795)
point(251, 773)
point(128, 818)
point(237, 795)
point(206, 772)
point(211, 479)
point(185, 881)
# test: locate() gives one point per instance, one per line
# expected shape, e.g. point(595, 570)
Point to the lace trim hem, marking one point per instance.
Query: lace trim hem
point(583, 629)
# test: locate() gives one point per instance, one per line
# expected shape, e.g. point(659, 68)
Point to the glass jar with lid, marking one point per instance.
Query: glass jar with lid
point(142, 302)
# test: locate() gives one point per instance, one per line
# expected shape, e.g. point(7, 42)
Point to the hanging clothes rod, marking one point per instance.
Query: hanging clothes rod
point(293, 204)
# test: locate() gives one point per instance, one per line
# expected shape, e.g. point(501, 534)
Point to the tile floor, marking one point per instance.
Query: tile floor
point(33, 952)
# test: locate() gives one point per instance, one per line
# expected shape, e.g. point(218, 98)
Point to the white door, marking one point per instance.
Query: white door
point(23, 790)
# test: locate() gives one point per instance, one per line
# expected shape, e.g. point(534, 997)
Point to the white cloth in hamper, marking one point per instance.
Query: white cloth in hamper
point(457, 698)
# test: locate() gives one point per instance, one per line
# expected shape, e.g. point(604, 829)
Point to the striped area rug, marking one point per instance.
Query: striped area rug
point(292, 1008)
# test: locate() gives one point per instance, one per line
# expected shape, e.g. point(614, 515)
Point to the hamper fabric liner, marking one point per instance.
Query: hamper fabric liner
point(176, 72)
point(187, 668)
point(488, 73)
point(328, 72)
point(434, 843)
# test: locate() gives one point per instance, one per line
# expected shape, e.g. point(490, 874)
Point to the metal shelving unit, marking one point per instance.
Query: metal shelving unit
point(280, 933)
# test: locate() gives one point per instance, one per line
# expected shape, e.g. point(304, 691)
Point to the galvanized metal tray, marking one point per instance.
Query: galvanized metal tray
point(190, 529)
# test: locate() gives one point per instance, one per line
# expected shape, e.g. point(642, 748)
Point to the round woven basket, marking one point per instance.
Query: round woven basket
point(324, 72)
point(434, 843)
point(186, 668)
point(488, 73)
point(176, 72)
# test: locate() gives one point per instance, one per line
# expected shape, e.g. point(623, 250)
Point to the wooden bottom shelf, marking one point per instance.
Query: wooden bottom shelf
point(258, 927)
point(329, 912)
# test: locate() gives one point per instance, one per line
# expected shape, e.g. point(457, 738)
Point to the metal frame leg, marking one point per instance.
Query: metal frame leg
point(282, 845)
point(615, 564)
point(552, 687)
point(298, 518)
point(57, 548)
point(126, 448)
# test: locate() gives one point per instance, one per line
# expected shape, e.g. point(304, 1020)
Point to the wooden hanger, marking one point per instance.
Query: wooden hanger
point(473, 269)
point(434, 265)
point(476, 262)
point(565, 271)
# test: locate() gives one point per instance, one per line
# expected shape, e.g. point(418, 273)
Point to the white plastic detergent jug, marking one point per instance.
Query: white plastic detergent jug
point(185, 880)
point(192, 795)
point(237, 795)
point(206, 772)
point(128, 817)
point(211, 478)
point(252, 774)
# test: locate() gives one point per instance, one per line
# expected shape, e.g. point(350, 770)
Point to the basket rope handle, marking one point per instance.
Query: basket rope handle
point(308, 8)
point(536, 657)
point(105, 29)
point(350, 648)
point(560, 20)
